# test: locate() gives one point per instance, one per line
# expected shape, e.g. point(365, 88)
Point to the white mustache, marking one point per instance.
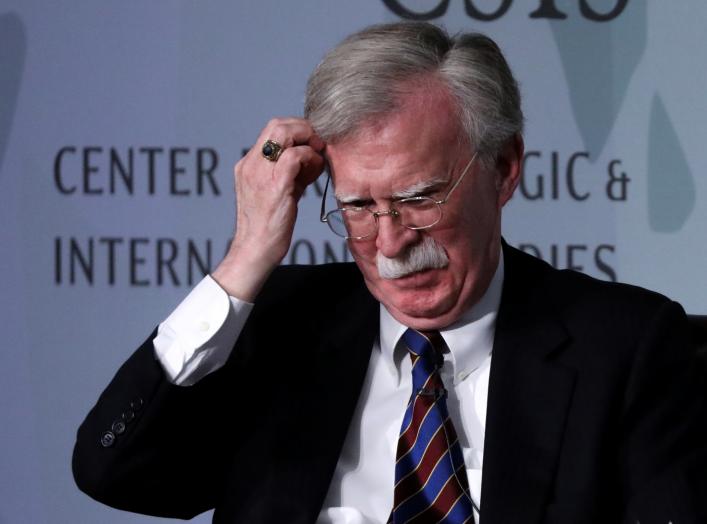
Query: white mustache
point(426, 255)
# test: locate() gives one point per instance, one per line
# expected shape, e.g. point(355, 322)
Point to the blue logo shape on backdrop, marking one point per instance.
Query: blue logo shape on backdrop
point(670, 184)
point(13, 47)
point(599, 61)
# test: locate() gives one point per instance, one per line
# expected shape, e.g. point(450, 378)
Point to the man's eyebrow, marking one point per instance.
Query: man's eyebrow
point(344, 198)
point(412, 191)
point(420, 188)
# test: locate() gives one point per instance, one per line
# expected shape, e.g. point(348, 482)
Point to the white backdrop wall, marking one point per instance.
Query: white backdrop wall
point(120, 123)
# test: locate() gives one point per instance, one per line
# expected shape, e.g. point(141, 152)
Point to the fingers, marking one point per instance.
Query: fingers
point(289, 132)
point(304, 161)
point(267, 194)
point(299, 164)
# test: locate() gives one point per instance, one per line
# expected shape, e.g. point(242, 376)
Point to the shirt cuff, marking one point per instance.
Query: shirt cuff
point(197, 338)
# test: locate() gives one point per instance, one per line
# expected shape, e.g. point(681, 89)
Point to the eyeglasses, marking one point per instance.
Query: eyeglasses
point(358, 223)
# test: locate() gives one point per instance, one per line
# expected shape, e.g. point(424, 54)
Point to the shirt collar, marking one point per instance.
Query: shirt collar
point(470, 339)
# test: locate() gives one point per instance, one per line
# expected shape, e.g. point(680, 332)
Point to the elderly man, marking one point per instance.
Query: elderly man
point(445, 377)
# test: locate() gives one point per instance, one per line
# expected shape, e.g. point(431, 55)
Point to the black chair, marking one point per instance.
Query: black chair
point(698, 328)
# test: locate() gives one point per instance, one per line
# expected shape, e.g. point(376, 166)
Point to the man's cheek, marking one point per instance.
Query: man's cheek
point(363, 254)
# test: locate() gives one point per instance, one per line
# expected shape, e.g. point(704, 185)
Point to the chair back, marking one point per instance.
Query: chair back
point(698, 329)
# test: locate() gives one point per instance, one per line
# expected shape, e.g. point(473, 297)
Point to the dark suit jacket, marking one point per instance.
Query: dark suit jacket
point(596, 408)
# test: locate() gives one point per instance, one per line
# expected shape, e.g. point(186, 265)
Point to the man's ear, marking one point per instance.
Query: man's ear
point(509, 164)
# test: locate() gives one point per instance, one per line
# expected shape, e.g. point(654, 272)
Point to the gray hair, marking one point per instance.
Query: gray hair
point(364, 76)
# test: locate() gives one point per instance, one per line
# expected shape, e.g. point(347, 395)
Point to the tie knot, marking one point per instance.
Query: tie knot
point(428, 345)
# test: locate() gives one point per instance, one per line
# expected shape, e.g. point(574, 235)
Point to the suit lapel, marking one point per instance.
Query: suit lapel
point(528, 398)
point(340, 362)
point(335, 373)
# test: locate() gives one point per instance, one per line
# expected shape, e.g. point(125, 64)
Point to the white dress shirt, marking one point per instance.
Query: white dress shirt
point(197, 339)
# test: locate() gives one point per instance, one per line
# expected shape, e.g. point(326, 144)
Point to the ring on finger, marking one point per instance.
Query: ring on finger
point(271, 150)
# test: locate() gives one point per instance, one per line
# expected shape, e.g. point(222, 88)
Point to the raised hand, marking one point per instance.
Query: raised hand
point(267, 193)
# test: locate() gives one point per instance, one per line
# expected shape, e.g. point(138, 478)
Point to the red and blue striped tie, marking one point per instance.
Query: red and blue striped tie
point(430, 477)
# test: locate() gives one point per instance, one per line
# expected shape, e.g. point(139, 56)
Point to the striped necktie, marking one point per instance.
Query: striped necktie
point(430, 478)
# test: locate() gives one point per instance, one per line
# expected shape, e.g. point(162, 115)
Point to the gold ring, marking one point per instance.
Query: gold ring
point(271, 150)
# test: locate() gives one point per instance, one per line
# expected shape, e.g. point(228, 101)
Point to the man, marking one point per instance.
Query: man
point(390, 389)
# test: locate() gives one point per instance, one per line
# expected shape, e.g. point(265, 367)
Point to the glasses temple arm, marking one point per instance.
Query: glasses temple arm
point(322, 211)
point(444, 200)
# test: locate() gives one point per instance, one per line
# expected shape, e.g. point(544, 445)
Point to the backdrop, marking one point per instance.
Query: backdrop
point(120, 123)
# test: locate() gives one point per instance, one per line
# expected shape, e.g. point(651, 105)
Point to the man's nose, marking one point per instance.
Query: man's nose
point(393, 239)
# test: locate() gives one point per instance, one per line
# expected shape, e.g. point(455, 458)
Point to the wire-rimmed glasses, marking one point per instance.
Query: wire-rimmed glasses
point(358, 223)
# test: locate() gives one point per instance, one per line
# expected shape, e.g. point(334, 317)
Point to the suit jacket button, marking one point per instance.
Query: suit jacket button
point(118, 427)
point(136, 405)
point(107, 439)
point(128, 415)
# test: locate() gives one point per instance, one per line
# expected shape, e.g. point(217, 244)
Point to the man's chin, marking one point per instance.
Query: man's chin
point(419, 312)
point(420, 300)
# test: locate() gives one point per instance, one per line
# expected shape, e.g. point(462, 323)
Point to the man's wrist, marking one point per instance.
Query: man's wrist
point(242, 277)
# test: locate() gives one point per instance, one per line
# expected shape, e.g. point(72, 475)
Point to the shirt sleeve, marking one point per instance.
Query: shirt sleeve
point(197, 338)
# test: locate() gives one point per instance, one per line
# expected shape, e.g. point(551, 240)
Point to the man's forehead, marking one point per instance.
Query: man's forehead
point(421, 103)
point(400, 154)
point(430, 101)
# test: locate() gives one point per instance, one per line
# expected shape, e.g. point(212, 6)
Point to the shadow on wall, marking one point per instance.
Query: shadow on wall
point(671, 187)
point(599, 60)
point(13, 47)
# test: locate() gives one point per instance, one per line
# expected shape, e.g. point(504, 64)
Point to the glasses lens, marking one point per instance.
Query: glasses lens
point(352, 222)
point(336, 223)
point(418, 212)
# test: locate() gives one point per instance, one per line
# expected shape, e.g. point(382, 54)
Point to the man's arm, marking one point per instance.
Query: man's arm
point(150, 446)
point(197, 337)
point(154, 447)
